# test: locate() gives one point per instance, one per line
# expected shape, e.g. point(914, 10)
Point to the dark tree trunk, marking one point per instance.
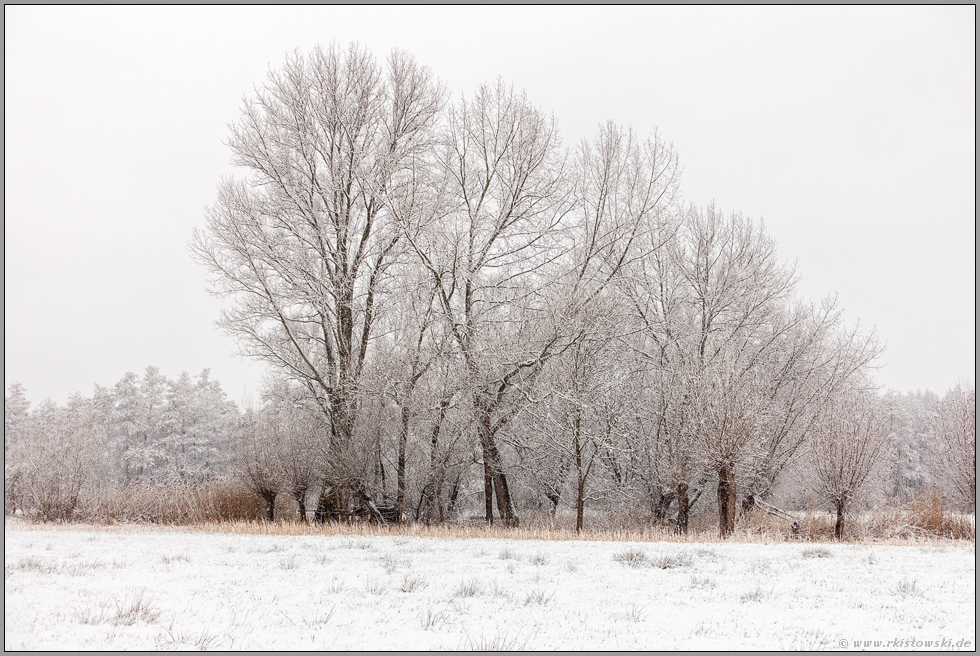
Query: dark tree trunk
point(301, 500)
point(580, 487)
point(432, 493)
point(488, 485)
point(839, 527)
point(270, 504)
point(331, 504)
point(683, 507)
point(453, 497)
point(402, 442)
point(505, 506)
point(438, 498)
point(493, 462)
point(661, 505)
point(582, 471)
point(554, 499)
point(697, 495)
point(423, 500)
point(381, 474)
point(726, 501)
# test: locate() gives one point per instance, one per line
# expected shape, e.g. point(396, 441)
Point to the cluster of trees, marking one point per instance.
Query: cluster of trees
point(152, 431)
point(458, 308)
point(445, 279)
point(141, 431)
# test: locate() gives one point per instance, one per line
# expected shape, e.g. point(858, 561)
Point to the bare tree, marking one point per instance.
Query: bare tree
point(847, 449)
point(668, 438)
point(304, 245)
point(731, 416)
point(255, 456)
point(716, 314)
point(955, 435)
point(294, 431)
point(16, 411)
point(416, 270)
point(413, 373)
point(710, 312)
point(664, 344)
point(579, 416)
point(490, 248)
point(53, 457)
point(623, 194)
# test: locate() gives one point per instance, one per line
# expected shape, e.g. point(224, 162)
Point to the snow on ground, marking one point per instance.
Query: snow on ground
point(156, 589)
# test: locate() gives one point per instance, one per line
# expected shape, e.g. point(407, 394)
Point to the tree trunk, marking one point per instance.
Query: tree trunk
point(301, 500)
point(438, 498)
point(270, 504)
point(488, 485)
point(839, 527)
point(361, 492)
point(554, 499)
point(453, 497)
point(697, 495)
point(726, 501)
point(402, 442)
point(683, 507)
point(580, 487)
point(433, 490)
point(661, 505)
point(320, 515)
point(332, 501)
point(505, 506)
point(381, 476)
point(493, 462)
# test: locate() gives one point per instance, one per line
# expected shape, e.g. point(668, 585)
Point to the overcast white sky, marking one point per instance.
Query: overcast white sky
point(850, 131)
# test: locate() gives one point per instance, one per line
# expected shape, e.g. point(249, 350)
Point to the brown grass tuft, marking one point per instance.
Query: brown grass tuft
point(925, 516)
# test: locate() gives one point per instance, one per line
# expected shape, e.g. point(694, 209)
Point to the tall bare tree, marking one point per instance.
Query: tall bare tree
point(490, 249)
point(624, 193)
point(303, 245)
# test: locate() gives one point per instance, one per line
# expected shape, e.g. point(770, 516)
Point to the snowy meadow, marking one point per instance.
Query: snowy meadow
point(84, 587)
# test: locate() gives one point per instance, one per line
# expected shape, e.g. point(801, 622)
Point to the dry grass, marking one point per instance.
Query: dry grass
point(228, 508)
point(496, 642)
point(925, 519)
point(467, 588)
point(412, 582)
point(538, 597)
point(135, 608)
point(817, 552)
point(632, 557)
point(457, 531)
point(671, 561)
point(926, 515)
point(174, 504)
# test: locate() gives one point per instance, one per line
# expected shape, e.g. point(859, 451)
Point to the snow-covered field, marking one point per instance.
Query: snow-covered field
point(80, 588)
